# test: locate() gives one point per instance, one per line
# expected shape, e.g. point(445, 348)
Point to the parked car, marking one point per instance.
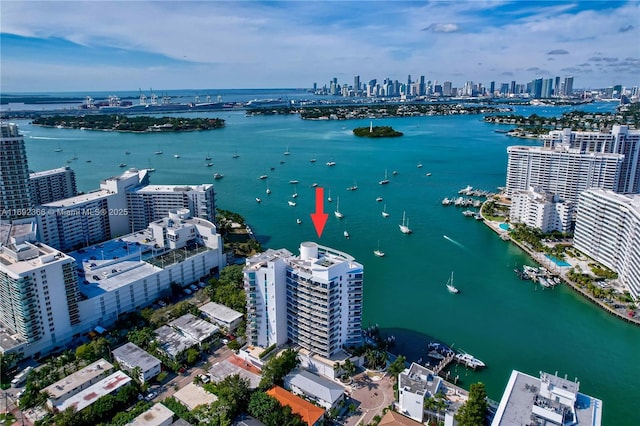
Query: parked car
point(193, 287)
point(150, 396)
point(187, 291)
point(202, 284)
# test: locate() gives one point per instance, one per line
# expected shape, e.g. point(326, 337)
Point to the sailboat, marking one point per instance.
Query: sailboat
point(385, 180)
point(338, 214)
point(329, 199)
point(384, 211)
point(268, 191)
point(404, 228)
point(158, 152)
point(378, 252)
point(450, 286)
point(287, 151)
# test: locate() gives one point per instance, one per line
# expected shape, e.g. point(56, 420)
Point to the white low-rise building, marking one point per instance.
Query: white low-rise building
point(222, 315)
point(415, 384)
point(541, 210)
point(109, 385)
point(319, 390)
point(74, 383)
point(546, 400)
point(158, 415)
point(130, 356)
point(195, 328)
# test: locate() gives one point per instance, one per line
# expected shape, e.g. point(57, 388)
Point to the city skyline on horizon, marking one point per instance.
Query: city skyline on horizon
point(119, 45)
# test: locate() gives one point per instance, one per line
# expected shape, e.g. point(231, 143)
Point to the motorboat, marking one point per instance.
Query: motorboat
point(258, 200)
point(292, 203)
point(299, 221)
point(469, 360)
point(379, 199)
point(218, 176)
point(404, 227)
point(450, 286)
point(176, 155)
point(331, 163)
point(122, 165)
point(346, 234)
point(294, 181)
point(209, 164)
point(262, 177)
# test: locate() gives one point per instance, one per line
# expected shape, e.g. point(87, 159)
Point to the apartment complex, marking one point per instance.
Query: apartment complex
point(314, 299)
point(621, 140)
point(562, 171)
point(52, 185)
point(546, 400)
point(14, 174)
point(541, 210)
point(39, 298)
point(608, 230)
point(74, 383)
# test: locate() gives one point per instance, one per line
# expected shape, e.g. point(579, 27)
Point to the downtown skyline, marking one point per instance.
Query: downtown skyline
point(70, 46)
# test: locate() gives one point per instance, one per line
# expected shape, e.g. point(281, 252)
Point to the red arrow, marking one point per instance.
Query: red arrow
point(319, 218)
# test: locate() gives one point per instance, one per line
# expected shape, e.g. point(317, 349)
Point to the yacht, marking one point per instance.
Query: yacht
point(450, 286)
point(379, 199)
point(292, 203)
point(218, 176)
point(385, 180)
point(446, 201)
point(293, 181)
point(384, 211)
point(469, 360)
point(331, 163)
point(404, 227)
point(338, 214)
point(378, 252)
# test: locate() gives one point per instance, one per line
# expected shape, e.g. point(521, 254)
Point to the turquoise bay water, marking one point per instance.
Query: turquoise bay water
point(507, 323)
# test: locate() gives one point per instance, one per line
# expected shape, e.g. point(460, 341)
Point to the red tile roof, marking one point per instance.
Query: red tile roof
point(310, 413)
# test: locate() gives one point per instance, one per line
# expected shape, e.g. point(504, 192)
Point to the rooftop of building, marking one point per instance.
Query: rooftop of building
point(135, 356)
point(80, 377)
point(18, 230)
point(151, 189)
point(522, 394)
point(419, 380)
point(220, 312)
point(235, 365)
point(392, 418)
point(193, 395)
point(156, 415)
point(310, 413)
point(79, 200)
point(23, 257)
point(194, 327)
point(43, 173)
point(258, 260)
point(172, 342)
point(314, 385)
point(94, 392)
point(630, 200)
point(9, 340)
point(562, 149)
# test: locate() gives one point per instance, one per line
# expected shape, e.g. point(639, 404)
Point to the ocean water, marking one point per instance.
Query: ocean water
point(507, 323)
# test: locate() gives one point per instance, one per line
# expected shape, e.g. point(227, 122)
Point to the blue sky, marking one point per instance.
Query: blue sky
point(118, 45)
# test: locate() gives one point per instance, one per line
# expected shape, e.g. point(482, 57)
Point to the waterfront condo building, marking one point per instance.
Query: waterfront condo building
point(39, 298)
point(620, 140)
point(52, 185)
point(313, 300)
point(561, 171)
point(608, 231)
point(541, 210)
point(14, 174)
point(548, 400)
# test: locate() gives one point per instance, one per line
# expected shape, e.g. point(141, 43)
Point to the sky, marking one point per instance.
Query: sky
point(58, 46)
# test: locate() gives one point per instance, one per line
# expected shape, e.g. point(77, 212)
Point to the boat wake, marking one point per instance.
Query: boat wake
point(455, 242)
point(52, 139)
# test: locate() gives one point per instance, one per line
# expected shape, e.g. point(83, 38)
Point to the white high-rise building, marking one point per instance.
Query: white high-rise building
point(313, 300)
point(541, 210)
point(620, 140)
point(39, 298)
point(608, 230)
point(561, 171)
point(52, 185)
point(14, 174)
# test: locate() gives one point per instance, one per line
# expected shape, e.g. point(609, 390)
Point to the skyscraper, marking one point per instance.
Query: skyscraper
point(356, 83)
point(14, 174)
point(568, 86)
point(314, 300)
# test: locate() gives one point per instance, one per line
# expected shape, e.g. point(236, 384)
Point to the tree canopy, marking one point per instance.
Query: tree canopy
point(474, 411)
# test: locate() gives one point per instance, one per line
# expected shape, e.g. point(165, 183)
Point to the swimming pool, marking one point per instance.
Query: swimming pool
point(504, 226)
point(557, 261)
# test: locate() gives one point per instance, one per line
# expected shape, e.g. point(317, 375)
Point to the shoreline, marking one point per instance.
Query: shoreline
point(561, 271)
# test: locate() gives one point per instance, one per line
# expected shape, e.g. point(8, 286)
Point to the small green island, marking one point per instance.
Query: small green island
point(123, 123)
point(376, 132)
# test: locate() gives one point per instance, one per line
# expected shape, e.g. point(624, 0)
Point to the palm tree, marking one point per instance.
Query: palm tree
point(349, 368)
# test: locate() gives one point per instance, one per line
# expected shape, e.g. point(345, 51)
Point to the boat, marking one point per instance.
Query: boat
point(378, 199)
point(385, 180)
point(450, 286)
point(207, 158)
point(314, 185)
point(313, 159)
point(338, 214)
point(469, 360)
point(88, 161)
point(292, 203)
point(58, 150)
point(329, 199)
point(258, 200)
point(419, 165)
point(446, 201)
point(235, 155)
point(158, 153)
point(543, 282)
point(331, 163)
point(435, 355)
point(151, 169)
point(263, 177)
point(384, 211)
point(287, 152)
point(268, 191)
point(477, 216)
point(293, 181)
point(176, 155)
point(346, 234)
point(122, 165)
point(299, 221)
point(440, 349)
point(353, 187)
point(468, 213)
point(378, 252)
point(294, 195)
point(429, 174)
point(127, 152)
point(395, 172)
point(218, 176)
point(209, 164)
point(404, 227)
